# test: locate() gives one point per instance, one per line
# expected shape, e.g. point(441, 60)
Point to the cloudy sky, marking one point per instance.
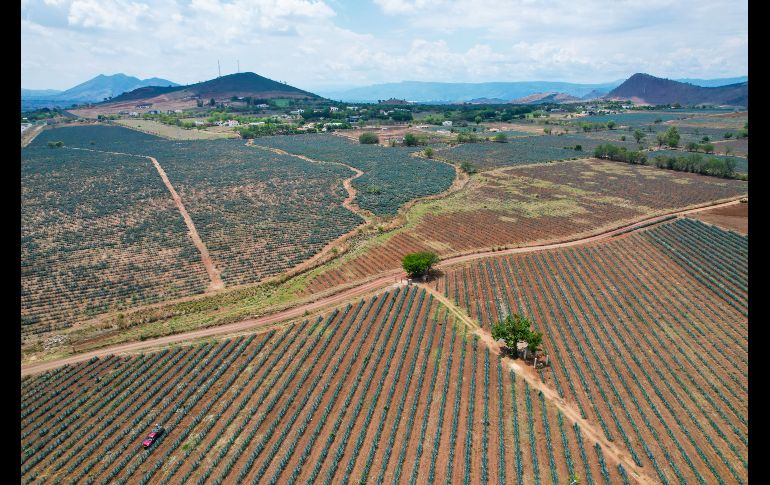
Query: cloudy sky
point(320, 44)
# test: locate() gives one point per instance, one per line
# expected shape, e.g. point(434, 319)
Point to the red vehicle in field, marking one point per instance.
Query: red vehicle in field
point(153, 436)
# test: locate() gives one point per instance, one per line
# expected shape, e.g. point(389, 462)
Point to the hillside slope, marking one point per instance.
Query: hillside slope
point(644, 88)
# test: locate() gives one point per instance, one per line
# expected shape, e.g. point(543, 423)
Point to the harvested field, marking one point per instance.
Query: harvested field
point(533, 204)
point(385, 389)
point(647, 335)
point(738, 147)
point(174, 132)
point(734, 218)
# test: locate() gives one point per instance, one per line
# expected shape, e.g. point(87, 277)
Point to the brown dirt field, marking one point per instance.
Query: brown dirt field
point(734, 217)
point(738, 147)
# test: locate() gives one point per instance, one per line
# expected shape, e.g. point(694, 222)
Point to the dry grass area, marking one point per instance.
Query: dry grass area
point(176, 132)
point(529, 205)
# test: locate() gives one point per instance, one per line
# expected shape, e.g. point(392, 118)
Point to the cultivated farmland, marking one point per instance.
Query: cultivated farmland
point(647, 336)
point(524, 150)
point(386, 390)
point(391, 176)
point(99, 232)
point(531, 205)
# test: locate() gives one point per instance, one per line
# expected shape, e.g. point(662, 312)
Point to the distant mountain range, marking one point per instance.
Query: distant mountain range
point(93, 90)
point(644, 88)
point(437, 92)
point(492, 92)
point(543, 98)
point(221, 89)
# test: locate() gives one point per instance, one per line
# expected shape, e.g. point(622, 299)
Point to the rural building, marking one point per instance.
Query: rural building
point(446, 123)
point(263, 105)
point(232, 123)
point(333, 109)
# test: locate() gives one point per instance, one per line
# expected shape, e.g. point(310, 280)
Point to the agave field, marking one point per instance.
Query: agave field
point(383, 390)
point(391, 176)
point(524, 150)
point(98, 232)
point(647, 336)
point(258, 212)
point(535, 204)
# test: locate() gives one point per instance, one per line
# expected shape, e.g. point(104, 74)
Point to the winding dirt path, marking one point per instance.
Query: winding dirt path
point(614, 453)
point(370, 285)
point(347, 183)
point(208, 263)
point(214, 276)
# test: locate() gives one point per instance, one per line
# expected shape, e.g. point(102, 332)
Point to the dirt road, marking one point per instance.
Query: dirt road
point(613, 453)
point(379, 282)
point(216, 280)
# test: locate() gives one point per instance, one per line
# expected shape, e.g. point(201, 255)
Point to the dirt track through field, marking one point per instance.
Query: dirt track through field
point(216, 280)
point(381, 281)
point(613, 452)
point(208, 263)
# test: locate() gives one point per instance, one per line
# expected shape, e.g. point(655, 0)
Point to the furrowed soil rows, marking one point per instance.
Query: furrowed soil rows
point(533, 205)
point(387, 389)
point(662, 371)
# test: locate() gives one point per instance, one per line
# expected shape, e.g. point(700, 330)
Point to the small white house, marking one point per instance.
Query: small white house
point(446, 123)
point(333, 109)
point(232, 123)
point(133, 113)
point(263, 105)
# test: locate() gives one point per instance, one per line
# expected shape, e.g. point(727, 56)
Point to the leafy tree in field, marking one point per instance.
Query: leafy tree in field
point(429, 152)
point(708, 147)
point(660, 138)
point(672, 137)
point(500, 138)
point(418, 264)
point(611, 125)
point(477, 119)
point(212, 102)
point(514, 329)
point(728, 135)
point(411, 140)
point(467, 167)
point(368, 138)
point(691, 146)
point(638, 135)
point(705, 139)
point(534, 339)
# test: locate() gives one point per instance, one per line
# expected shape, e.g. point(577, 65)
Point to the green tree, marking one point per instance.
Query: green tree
point(708, 147)
point(672, 137)
point(411, 140)
point(467, 167)
point(513, 329)
point(212, 102)
point(429, 152)
point(368, 138)
point(500, 138)
point(705, 139)
point(691, 146)
point(638, 135)
point(477, 119)
point(534, 340)
point(418, 264)
point(611, 125)
point(728, 135)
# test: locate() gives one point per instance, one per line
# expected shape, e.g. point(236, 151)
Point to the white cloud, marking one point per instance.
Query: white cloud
point(107, 14)
point(303, 41)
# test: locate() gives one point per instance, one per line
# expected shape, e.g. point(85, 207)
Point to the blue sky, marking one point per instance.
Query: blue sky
point(321, 44)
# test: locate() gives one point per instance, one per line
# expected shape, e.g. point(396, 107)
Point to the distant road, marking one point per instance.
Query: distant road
point(381, 281)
